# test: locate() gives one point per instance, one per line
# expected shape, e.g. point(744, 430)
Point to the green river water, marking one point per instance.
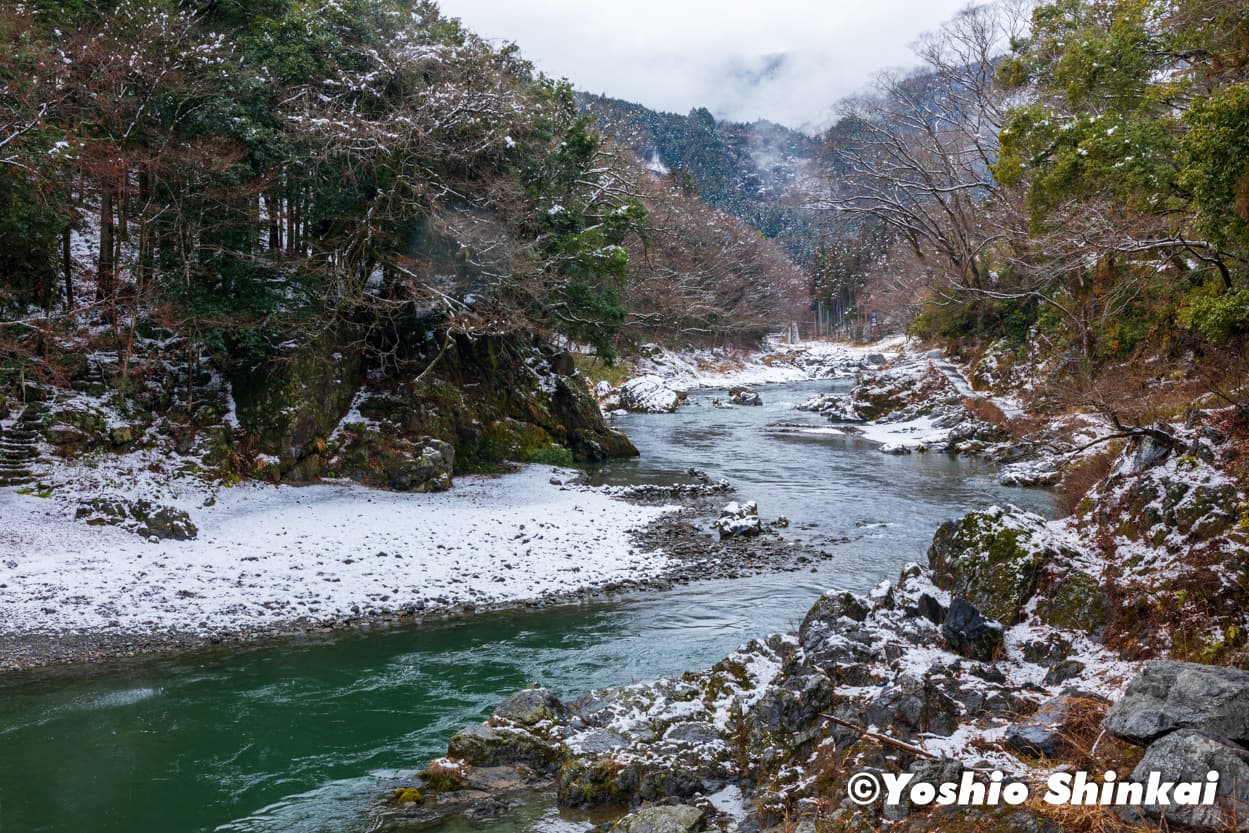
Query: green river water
point(307, 737)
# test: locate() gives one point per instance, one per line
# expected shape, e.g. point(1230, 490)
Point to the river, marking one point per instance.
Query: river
point(306, 737)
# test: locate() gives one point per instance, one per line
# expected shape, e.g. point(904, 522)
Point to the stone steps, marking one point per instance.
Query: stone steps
point(19, 448)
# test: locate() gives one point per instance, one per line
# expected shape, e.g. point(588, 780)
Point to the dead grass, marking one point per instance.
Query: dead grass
point(1091, 746)
point(1094, 750)
point(1084, 819)
point(1079, 479)
point(985, 411)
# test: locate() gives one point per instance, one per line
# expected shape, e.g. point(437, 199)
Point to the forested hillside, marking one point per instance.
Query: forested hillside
point(1066, 183)
point(760, 172)
point(215, 206)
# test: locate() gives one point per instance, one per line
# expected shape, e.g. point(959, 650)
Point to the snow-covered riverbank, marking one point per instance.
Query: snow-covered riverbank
point(280, 556)
point(777, 363)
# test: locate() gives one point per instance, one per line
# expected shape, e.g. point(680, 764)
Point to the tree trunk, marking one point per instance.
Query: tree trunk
point(144, 264)
point(123, 211)
point(290, 222)
point(105, 279)
point(67, 264)
point(273, 209)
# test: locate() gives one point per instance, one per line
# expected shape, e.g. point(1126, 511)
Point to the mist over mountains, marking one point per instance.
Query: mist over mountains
point(760, 172)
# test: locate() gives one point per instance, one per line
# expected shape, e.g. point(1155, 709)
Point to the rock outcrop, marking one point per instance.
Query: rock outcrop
point(1189, 756)
point(1167, 696)
point(992, 559)
point(468, 405)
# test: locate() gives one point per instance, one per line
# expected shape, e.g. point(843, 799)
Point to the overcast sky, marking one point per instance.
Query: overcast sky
point(784, 60)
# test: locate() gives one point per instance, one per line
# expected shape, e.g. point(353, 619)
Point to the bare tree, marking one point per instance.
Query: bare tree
point(923, 144)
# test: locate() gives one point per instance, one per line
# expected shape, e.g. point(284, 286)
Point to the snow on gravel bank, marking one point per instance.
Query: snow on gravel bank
point(271, 556)
point(779, 363)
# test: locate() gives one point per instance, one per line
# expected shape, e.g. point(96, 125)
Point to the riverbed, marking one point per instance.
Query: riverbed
point(307, 736)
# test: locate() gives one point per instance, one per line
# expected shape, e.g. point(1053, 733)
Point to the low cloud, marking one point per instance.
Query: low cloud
point(788, 61)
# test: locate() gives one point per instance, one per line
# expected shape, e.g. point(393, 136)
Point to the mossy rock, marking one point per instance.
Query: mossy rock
point(992, 559)
point(1208, 511)
point(1077, 602)
point(598, 782)
point(679, 818)
point(398, 462)
point(290, 402)
point(483, 745)
point(503, 440)
point(123, 434)
point(552, 455)
point(75, 427)
point(408, 796)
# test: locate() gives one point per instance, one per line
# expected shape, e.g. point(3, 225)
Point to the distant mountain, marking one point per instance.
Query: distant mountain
point(759, 172)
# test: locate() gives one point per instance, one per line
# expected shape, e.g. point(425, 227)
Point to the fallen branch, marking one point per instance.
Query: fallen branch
point(895, 743)
point(885, 739)
point(1162, 437)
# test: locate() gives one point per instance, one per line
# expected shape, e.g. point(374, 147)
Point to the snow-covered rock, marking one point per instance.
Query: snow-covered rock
point(649, 394)
point(838, 407)
point(723, 367)
point(739, 520)
point(745, 396)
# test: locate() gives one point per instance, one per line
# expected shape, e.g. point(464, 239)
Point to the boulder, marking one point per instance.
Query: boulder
point(530, 707)
point(1167, 696)
point(1143, 452)
point(739, 520)
point(388, 461)
point(789, 715)
point(1043, 734)
point(1188, 755)
point(969, 633)
point(744, 396)
point(604, 781)
point(164, 522)
point(648, 394)
point(1076, 601)
point(484, 745)
point(913, 706)
point(1062, 671)
point(929, 608)
point(677, 818)
point(822, 618)
point(1047, 651)
point(993, 558)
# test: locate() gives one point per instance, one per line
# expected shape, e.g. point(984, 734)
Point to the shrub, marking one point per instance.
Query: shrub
point(1216, 316)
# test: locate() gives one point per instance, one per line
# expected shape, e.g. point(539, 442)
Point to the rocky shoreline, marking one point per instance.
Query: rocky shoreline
point(1114, 639)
